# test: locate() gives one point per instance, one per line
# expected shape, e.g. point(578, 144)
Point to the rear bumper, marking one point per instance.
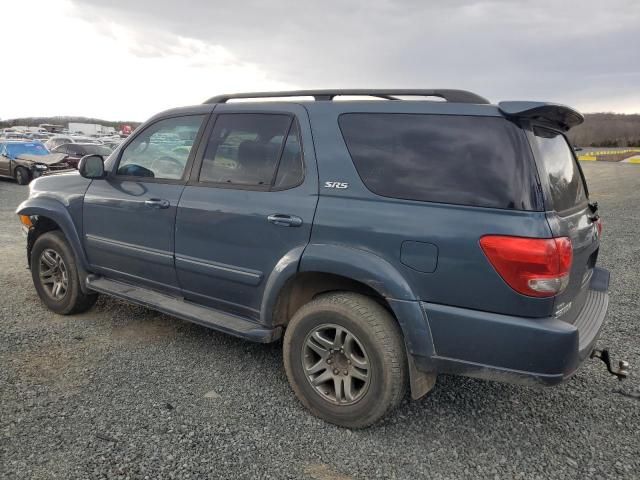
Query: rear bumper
point(514, 349)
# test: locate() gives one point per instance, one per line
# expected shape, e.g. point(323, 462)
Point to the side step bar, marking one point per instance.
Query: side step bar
point(177, 307)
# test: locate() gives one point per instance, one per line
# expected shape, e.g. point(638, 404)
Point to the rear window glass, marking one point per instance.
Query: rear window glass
point(565, 180)
point(479, 161)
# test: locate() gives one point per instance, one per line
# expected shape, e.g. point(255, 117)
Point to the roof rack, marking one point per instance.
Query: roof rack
point(454, 96)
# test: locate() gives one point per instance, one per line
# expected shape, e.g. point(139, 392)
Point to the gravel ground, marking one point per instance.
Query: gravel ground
point(124, 392)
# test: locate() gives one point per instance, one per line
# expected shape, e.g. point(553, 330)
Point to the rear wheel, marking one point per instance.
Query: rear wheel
point(22, 176)
point(345, 359)
point(55, 275)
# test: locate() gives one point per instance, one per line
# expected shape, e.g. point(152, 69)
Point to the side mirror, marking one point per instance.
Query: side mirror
point(92, 166)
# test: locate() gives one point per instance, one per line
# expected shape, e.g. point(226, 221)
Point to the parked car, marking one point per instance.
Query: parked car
point(389, 242)
point(24, 161)
point(14, 136)
point(75, 151)
point(58, 140)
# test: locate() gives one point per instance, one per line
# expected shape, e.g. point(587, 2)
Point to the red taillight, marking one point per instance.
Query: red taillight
point(537, 267)
point(598, 223)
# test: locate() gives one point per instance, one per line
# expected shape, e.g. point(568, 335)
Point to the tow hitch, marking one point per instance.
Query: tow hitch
point(621, 372)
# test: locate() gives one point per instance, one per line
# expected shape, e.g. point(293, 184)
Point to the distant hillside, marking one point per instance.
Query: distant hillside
point(35, 121)
point(607, 130)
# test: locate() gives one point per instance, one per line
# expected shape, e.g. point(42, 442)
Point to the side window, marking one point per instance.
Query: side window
point(291, 170)
point(245, 149)
point(456, 159)
point(162, 149)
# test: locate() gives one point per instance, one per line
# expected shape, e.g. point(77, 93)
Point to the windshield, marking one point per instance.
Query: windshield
point(15, 149)
point(565, 179)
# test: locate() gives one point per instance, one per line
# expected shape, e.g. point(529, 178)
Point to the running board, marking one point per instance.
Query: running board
point(184, 310)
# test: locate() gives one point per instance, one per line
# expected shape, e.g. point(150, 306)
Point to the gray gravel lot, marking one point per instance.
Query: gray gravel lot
point(125, 392)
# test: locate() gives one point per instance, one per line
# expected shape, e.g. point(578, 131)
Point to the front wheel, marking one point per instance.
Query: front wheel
point(345, 359)
point(55, 275)
point(22, 176)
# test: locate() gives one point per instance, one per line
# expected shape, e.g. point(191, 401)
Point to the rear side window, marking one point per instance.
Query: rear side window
point(479, 161)
point(561, 169)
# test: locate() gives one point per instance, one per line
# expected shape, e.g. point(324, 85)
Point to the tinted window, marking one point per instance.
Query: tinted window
point(290, 170)
point(480, 161)
point(73, 149)
point(162, 149)
point(244, 149)
point(565, 180)
point(95, 150)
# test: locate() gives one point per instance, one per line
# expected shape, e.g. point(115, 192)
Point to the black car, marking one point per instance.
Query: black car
point(75, 151)
point(24, 161)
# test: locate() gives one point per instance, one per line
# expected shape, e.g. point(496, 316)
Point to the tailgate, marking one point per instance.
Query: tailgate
point(585, 241)
point(569, 214)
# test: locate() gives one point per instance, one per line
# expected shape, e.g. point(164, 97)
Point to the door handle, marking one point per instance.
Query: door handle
point(157, 203)
point(284, 220)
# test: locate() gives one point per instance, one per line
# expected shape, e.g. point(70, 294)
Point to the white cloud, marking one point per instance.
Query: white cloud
point(59, 63)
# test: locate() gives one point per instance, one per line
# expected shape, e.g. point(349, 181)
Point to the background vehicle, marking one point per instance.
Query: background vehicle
point(24, 161)
point(58, 140)
point(448, 237)
point(75, 151)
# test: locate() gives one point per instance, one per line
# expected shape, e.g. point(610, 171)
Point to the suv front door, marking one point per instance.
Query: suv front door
point(129, 217)
point(250, 202)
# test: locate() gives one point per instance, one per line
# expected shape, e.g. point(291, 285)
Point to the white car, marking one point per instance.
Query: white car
point(58, 140)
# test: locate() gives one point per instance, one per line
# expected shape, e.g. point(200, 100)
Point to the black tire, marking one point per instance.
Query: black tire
point(22, 175)
point(73, 300)
point(381, 340)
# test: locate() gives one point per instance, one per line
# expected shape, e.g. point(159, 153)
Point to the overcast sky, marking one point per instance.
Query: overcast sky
point(128, 59)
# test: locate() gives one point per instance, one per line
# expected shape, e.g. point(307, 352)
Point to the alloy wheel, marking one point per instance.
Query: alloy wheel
point(336, 364)
point(53, 274)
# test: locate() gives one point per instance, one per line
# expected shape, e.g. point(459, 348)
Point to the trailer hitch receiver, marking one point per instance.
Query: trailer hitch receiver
point(621, 372)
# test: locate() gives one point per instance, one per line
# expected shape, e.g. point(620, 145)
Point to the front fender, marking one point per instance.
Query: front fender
point(58, 213)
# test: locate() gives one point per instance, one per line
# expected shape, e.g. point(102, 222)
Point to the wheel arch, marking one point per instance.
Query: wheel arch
point(52, 215)
point(317, 266)
point(318, 269)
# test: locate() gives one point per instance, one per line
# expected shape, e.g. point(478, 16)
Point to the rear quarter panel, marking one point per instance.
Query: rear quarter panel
point(356, 217)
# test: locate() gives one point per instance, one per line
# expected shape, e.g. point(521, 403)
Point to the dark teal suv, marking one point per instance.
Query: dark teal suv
point(388, 237)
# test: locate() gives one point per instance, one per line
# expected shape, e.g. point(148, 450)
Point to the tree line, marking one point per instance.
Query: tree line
point(607, 130)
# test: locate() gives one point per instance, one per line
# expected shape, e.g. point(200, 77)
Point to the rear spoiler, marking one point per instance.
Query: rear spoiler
point(555, 114)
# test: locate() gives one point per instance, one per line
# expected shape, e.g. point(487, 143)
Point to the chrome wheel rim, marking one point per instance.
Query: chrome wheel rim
point(336, 364)
point(53, 274)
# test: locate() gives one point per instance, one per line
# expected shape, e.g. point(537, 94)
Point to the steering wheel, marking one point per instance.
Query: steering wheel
point(166, 158)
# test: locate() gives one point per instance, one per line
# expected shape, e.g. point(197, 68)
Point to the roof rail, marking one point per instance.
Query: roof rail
point(454, 96)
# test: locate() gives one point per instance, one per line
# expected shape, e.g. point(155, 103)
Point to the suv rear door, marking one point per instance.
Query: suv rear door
point(250, 202)
point(569, 213)
point(129, 217)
